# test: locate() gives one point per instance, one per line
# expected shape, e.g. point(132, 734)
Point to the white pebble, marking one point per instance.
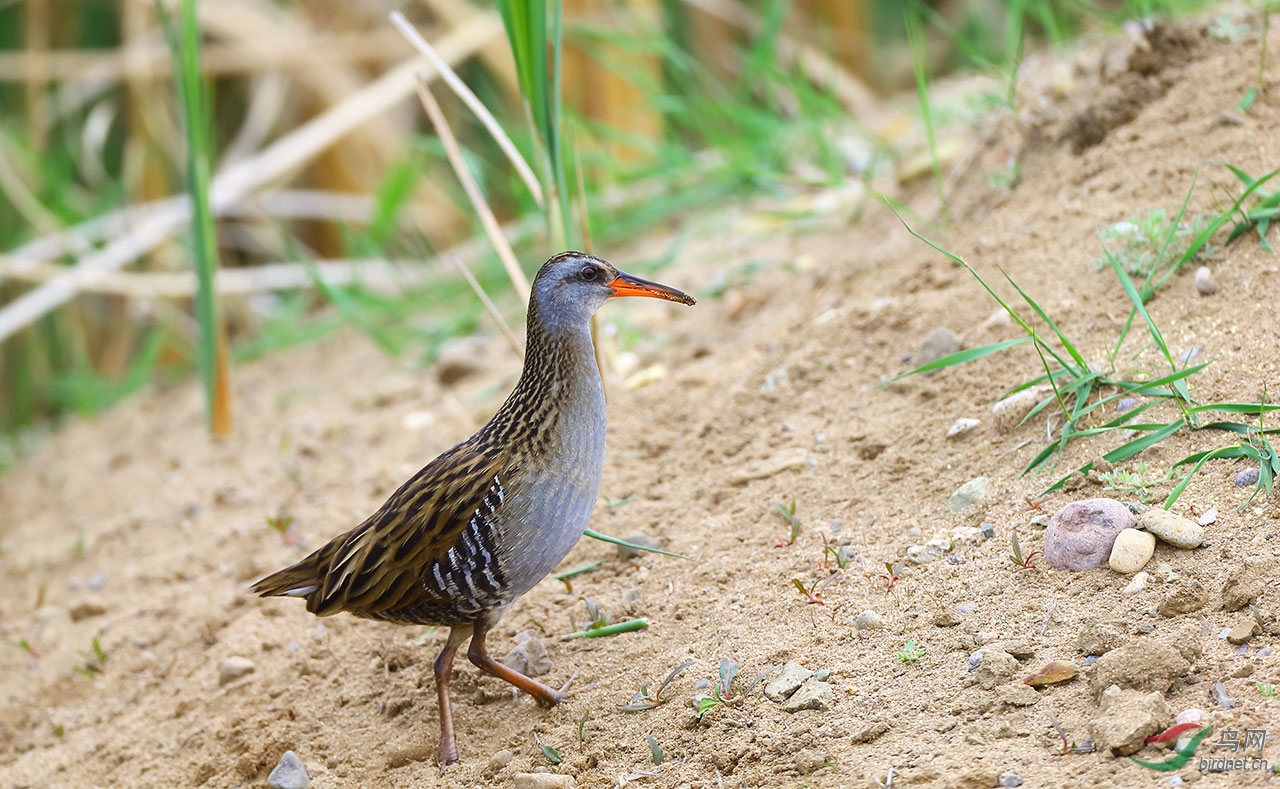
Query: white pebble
point(1209, 516)
point(868, 620)
point(1204, 282)
point(963, 425)
point(234, 668)
point(1131, 551)
point(1136, 585)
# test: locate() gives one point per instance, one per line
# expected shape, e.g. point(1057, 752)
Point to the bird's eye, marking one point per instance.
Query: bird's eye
point(589, 273)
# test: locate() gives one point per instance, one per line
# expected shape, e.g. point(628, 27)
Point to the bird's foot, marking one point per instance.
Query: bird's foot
point(447, 753)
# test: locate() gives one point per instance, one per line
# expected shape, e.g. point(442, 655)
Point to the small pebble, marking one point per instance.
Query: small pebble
point(234, 668)
point(940, 342)
point(1131, 551)
point(972, 492)
point(500, 760)
point(1220, 695)
point(1126, 404)
point(1190, 715)
point(1243, 632)
point(963, 425)
point(781, 688)
point(1247, 477)
point(988, 530)
point(1138, 583)
point(1172, 528)
point(1010, 411)
point(1051, 673)
point(1205, 285)
point(1010, 780)
point(868, 620)
point(1207, 517)
point(289, 773)
point(1189, 356)
point(812, 695)
point(543, 781)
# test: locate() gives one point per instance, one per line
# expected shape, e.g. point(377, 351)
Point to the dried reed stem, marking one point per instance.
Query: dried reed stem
point(491, 228)
point(488, 305)
point(461, 90)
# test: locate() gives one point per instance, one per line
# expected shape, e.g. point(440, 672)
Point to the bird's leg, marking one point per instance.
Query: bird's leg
point(476, 653)
point(443, 666)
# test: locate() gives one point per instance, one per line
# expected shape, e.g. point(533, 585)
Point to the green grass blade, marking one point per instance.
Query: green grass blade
point(184, 45)
point(920, 65)
point(960, 357)
point(595, 535)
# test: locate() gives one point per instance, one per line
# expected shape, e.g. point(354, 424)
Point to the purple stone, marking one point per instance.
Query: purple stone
point(1080, 535)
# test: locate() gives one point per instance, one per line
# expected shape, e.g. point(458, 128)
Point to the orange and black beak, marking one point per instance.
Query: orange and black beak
point(628, 285)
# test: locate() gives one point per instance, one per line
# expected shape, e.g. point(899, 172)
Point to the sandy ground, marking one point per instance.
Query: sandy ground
point(137, 530)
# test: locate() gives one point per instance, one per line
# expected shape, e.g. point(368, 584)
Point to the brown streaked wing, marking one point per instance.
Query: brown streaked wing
point(378, 568)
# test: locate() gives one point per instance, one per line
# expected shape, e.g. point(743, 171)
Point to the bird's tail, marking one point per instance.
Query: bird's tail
point(300, 580)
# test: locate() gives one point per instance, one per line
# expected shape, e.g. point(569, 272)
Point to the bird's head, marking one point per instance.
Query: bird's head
point(571, 286)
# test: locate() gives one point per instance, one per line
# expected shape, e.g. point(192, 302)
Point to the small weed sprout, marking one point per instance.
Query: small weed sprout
point(1138, 482)
point(728, 689)
point(892, 574)
point(1140, 244)
point(1267, 689)
point(655, 750)
point(834, 553)
point(94, 661)
point(788, 513)
point(812, 595)
point(910, 652)
point(598, 618)
point(552, 754)
point(1019, 559)
point(644, 700)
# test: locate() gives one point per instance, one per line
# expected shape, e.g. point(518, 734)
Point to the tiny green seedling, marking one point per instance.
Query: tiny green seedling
point(834, 553)
point(910, 652)
point(727, 690)
point(891, 575)
point(812, 595)
point(1137, 482)
point(643, 700)
point(552, 754)
point(1019, 559)
point(565, 576)
point(1267, 689)
point(655, 750)
point(582, 727)
point(1142, 245)
point(94, 662)
point(598, 618)
point(788, 514)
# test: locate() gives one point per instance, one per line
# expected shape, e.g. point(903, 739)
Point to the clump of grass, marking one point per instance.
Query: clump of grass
point(1079, 390)
point(644, 700)
point(1260, 213)
point(910, 653)
point(93, 661)
point(1137, 482)
point(1267, 689)
point(1142, 244)
point(728, 688)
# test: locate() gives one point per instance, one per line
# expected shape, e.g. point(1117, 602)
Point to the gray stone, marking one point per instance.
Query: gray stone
point(812, 695)
point(543, 781)
point(289, 773)
point(1080, 535)
point(1248, 477)
point(529, 656)
point(1126, 718)
point(1174, 529)
point(940, 342)
point(234, 668)
point(868, 620)
point(788, 681)
point(1131, 551)
point(972, 492)
point(1205, 285)
point(1010, 780)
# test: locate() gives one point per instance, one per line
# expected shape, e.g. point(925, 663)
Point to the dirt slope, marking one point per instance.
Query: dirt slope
point(137, 530)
